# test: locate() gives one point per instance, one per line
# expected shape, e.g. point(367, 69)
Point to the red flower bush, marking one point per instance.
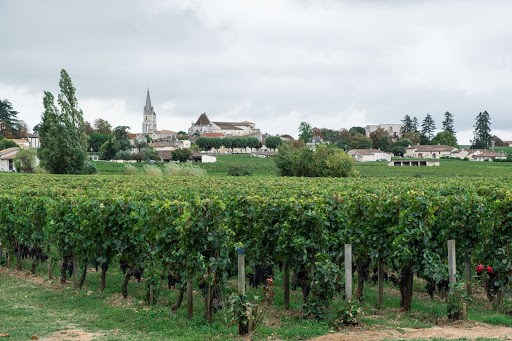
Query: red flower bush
point(489, 270)
point(480, 268)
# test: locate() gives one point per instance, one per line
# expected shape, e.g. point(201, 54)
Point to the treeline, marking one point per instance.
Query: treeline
point(209, 143)
point(188, 229)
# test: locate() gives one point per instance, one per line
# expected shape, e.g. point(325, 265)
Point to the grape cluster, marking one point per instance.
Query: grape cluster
point(171, 280)
point(261, 273)
point(136, 271)
point(443, 284)
point(67, 267)
point(431, 288)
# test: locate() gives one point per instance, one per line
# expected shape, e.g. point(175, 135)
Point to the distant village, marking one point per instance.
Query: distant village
point(164, 142)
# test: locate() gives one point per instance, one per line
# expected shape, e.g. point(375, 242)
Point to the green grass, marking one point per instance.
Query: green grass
point(259, 167)
point(266, 168)
point(28, 308)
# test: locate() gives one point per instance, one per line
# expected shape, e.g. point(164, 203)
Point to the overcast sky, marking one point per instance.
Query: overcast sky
point(335, 64)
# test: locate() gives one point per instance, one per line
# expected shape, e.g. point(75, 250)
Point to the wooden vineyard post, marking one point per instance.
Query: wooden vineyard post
point(451, 261)
point(381, 282)
point(190, 299)
point(286, 270)
point(1, 251)
point(241, 270)
point(467, 268)
point(7, 259)
point(348, 271)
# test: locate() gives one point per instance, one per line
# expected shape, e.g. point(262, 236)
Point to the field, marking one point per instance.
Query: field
point(266, 168)
point(172, 229)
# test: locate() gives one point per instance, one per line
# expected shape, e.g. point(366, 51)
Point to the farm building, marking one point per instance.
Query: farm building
point(365, 155)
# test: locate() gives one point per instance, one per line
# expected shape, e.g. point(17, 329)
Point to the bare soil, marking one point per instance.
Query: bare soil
point(72, 335)
point(455, 330)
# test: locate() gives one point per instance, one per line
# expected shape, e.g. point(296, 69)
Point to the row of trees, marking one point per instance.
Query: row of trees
point(412, 133)
point(209, 143)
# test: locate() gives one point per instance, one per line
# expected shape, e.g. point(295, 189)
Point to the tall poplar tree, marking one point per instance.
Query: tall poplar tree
point(62, 131)
point(482, 137)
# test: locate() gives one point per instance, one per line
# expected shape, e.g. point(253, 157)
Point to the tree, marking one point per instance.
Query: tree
point(62, 131)
point(497, 142)
point(415, 124)
point(377, 135)
point(354, 130)
point(121, 140)
point(407, 125)
point(181, 155)
point(272, 142)
point(385, 143)
point(107, 150)
point(448, 123)
point(6, 143)
point(445, 138)
point(102, 126)
point(414, 137)
point(482, 137)
point(9, 123)
point(88, 128)
point(325, 161)
point(139, 144)
point(97, 140)
point(253, 142)
point(360, 141)
point(428, 127)
point(25, 160)
point(305, 131)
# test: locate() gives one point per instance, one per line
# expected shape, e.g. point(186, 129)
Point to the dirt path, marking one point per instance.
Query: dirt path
point(461, 329)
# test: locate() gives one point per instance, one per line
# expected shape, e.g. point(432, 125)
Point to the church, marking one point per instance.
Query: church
point(149, 126)
point(205, 127)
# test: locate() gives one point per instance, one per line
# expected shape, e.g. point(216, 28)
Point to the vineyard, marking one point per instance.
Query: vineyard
point(178, 231)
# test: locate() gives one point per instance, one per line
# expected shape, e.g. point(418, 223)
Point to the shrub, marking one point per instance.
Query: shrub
point(325, 161)
point(89, 168)
point(130, 170)
point(181, 155)
point(152, 170)
point(25, 160)
point(39, 170)
point(186, 169)
point(124, 155)
point(344, 312)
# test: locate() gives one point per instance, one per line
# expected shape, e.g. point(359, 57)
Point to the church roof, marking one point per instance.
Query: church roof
point(228, 125)
point(203, 120)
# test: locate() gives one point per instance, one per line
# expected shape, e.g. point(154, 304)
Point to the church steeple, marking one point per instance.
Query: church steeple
point(148, 117)
point(148, 109)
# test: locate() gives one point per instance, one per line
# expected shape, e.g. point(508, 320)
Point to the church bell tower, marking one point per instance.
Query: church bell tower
point(149, 117)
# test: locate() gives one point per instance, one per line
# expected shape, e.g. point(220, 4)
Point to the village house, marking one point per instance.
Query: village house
point(429, 151)
point(7, 159)
point(365, 155)
point(487, 156)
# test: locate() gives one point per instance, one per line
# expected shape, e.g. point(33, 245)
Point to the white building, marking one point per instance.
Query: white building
point(365, 155)
point(7, 159)
point(394, 130)
point(430, 151)
point(228, 129)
